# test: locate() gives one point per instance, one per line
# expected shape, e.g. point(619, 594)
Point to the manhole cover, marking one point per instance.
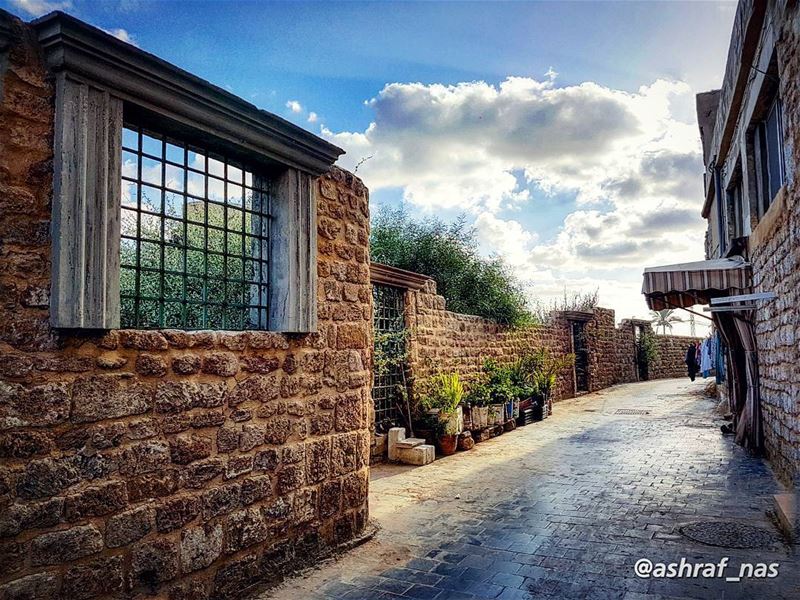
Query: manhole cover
point(632, 411)
point(727, 534)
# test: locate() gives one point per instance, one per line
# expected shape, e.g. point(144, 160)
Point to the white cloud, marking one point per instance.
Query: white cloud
point(37, 8)
point(294, 106)
point(122, 34)
point(633, 168)
point(312, 117)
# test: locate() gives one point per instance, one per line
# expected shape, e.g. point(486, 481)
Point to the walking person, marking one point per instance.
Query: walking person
point(691, 360)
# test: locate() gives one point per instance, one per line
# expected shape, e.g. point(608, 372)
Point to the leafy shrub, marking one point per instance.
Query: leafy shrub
point(448, 254)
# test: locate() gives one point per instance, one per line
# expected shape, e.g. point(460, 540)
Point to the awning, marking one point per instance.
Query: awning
point(687, 284)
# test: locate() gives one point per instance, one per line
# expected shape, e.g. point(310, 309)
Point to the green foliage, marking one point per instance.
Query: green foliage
point(647, 348)
point(548, 367)
point(479, 393)
point(443, 392)
point(471, 284)
point(500, 380)
point(210, 277)
point(532, 374)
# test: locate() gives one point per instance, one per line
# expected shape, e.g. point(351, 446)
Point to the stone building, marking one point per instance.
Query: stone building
point(137, 456)
point(750, 131)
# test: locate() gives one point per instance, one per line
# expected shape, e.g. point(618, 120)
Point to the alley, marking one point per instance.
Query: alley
point(565, 508)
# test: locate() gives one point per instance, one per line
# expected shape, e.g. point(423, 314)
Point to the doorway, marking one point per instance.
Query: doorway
point(581, 356)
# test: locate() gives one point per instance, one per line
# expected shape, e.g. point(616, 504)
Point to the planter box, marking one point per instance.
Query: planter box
point(454, 423)
point(497, 414)
point(480, 417)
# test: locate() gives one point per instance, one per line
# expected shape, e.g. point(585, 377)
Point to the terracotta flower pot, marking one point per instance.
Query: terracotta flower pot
point(448, 444)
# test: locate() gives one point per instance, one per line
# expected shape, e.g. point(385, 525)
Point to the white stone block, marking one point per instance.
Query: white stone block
point(418, 455)
point(396, 434)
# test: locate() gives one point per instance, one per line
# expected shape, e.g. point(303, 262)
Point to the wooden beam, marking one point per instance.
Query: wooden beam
point(293, 253)
point(86, 207)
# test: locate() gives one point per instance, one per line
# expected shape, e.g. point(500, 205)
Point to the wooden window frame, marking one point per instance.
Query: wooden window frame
point(100, 81)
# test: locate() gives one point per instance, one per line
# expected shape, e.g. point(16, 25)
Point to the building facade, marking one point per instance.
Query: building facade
point(185, 329)
point(750, 130)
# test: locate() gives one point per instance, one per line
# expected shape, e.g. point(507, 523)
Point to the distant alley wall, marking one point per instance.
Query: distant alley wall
point(449, 341)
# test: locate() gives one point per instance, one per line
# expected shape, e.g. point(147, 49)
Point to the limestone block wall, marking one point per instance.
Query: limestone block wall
point(775, 256)
point(182, 464)
point(671, 356)
point(447, 341)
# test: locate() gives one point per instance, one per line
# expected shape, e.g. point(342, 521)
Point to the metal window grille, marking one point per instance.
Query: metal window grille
point(194, 237)
point(388, 318)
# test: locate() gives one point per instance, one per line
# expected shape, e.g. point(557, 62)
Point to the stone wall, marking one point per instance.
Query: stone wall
point(775, 256)
point(190, 465)
point(446, 341)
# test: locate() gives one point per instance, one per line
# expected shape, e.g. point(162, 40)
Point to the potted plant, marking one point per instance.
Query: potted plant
point(546, 375)
point(501, 391)
point(478, 398)
point(443, 397)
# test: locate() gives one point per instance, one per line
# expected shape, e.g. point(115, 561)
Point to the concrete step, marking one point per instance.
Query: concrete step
point(422, 454)
point(410, 442)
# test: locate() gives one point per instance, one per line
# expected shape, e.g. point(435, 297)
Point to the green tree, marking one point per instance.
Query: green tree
point(205, 276)
point(448, 253)
point(664, 319)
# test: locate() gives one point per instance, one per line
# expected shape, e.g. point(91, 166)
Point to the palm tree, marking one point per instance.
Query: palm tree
point(664, 319)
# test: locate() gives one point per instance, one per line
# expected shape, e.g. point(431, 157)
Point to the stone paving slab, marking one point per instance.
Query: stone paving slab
point(564, 509)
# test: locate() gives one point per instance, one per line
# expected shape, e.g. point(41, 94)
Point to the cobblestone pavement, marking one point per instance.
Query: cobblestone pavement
point(565, 508)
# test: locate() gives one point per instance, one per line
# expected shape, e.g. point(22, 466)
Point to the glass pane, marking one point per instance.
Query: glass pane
point(149, 284)
point(216, 167)
point(130, 139)
point(128, 223)
point(127, 315)
point(173, 204)
point(149, 311)
point(173, 315)
point(196, 184)
point(150, 227)
point(234, 174)
point(216, 189)
point(130, 165)
point(234, 194)
point(151, 171)
point(173, 287)
point(174, 177)
point(151, 199)
point(195, 262)
point(130, 194)
point(175, 153)
point(196, 211)
point(195, 288)
point(197, 160)
point(152, 145)
point(127, 282)
point(194, 316)
point(128, 252)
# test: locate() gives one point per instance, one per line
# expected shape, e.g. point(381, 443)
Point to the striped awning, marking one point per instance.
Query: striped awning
point(687, 284)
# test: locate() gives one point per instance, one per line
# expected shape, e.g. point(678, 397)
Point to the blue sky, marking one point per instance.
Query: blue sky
point(564, 130)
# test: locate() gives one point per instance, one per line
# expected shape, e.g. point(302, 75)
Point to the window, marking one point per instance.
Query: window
point(194, 250)
point(770, 165)
point(735, 218)
point(149, 231)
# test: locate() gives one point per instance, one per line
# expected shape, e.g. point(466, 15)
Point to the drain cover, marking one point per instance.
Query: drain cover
point(632, 411)
point(727, 534)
